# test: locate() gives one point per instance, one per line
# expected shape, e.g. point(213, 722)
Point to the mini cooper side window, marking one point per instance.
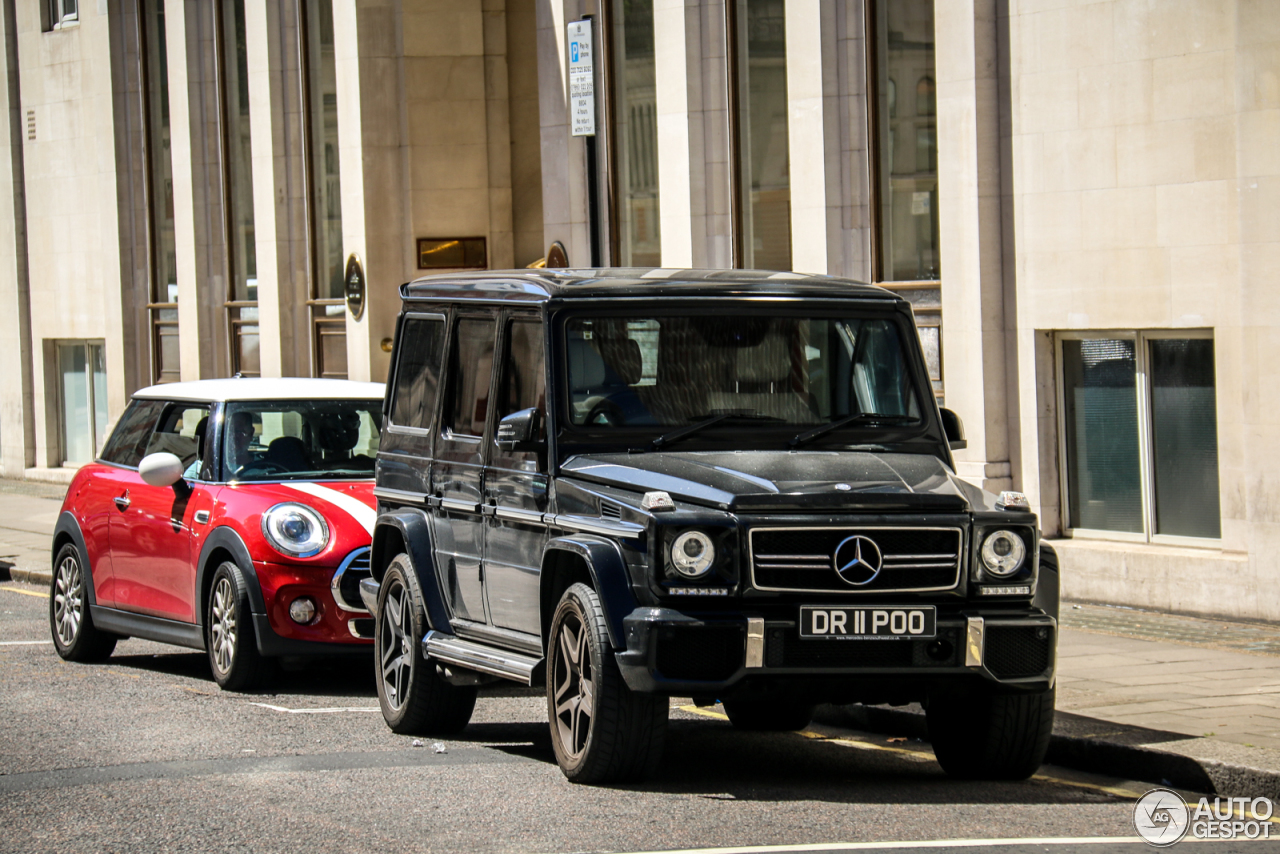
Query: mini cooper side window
point(413, 403)
point(180, 430)
point(472, 368)
point(128, 441)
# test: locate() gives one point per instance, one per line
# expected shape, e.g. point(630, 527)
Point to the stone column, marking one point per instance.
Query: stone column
point(975, 340)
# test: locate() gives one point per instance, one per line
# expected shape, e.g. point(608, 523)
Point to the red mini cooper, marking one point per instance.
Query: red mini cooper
point(232, 516)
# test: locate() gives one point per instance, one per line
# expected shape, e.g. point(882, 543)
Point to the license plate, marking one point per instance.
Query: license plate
point(868, 623)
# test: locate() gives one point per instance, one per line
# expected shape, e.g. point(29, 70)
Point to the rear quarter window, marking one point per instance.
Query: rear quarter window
point(417, 375)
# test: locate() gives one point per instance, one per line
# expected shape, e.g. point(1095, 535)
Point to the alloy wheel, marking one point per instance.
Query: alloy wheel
point(223, 629)
point(68, 600)
point(574, 686)
point(395, 645)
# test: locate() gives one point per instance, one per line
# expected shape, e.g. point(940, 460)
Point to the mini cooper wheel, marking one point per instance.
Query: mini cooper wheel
point(601, 730)
point(229, 637)
point(74, 635)
point(978, 734)
point(767, 716)
point(415, 699)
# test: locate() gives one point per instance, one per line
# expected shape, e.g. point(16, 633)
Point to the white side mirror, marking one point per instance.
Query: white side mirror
point(162, 469)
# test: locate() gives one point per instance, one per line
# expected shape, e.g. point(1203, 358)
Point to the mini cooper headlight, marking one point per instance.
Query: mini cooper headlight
point(295, 529)
point(692, 554)
point(1002, 553)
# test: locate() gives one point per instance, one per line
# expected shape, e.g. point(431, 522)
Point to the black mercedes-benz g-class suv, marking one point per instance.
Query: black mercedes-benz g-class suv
point(733, 486)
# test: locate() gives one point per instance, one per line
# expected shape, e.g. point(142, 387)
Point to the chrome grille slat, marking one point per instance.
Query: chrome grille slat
point(801, 559)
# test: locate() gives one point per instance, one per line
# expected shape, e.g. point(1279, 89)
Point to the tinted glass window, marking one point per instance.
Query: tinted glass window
point(472, 368)
point(523, 380)
point(129, 440)
point(180, 430)
point(301, 439)
point(413, 403)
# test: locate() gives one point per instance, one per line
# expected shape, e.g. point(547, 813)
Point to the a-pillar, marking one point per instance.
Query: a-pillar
point(975, 342)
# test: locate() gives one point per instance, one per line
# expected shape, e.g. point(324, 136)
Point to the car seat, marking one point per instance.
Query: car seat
point(288, 452)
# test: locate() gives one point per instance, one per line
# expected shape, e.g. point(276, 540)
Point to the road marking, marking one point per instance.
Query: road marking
point(916, 843)
point(25, 592)
point(315, 711)
point(23, 643)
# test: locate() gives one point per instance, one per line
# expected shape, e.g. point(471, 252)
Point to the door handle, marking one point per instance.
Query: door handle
point(122, 501)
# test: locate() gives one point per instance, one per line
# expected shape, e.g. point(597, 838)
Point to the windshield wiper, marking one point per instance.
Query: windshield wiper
point(676, 435)
point(861, 418)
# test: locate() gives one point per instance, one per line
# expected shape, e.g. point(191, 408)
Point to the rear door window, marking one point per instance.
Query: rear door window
point(128, 442)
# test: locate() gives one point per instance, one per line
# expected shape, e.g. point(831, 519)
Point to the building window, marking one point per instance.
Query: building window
point(324, 212)
point(57, 13)
point(1140, 434)
point(82, 399)
point(762, 150)
point(242, 293)
point(906, 180)
point(635, 117)
point(163, 306)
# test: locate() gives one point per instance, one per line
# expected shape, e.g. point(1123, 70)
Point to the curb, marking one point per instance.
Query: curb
point(28, 576)
point(1130, 761)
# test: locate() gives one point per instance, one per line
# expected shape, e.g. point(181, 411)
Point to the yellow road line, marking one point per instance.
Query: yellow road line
point(25, 592)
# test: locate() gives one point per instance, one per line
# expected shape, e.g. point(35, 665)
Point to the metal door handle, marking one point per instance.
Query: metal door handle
point(122, 501)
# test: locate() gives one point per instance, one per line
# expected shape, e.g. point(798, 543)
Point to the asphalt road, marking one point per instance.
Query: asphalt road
point(145, 753)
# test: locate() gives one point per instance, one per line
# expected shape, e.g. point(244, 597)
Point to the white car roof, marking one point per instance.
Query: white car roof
point(265, 388)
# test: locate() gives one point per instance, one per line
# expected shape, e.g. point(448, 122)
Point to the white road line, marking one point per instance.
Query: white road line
point(315, 711)
point(23, 643)
point(920, 843)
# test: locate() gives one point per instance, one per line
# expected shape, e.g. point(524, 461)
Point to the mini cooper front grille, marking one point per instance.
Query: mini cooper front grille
point(346, 581)
point(892, 559)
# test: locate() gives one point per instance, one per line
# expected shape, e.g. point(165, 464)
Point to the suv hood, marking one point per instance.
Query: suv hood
point(787, 480)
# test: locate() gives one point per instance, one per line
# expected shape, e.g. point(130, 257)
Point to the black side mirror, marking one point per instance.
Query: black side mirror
point(519, 431)
point(953, 427)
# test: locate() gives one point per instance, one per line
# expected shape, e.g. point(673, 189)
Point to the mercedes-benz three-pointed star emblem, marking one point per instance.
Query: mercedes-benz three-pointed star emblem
point(858, 560)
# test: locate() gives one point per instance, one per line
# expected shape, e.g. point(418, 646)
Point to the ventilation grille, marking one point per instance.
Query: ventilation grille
point(1018, 651)
point(31, 124)
point(609, 510)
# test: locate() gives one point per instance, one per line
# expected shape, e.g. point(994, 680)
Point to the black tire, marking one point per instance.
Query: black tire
point(625, 731)
point(981, 735)
point(768, 716)
point(229, 638)
point(415, 699)
point(74, 635)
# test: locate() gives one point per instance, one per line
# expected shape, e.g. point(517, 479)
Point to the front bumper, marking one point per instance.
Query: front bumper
point(673, 652)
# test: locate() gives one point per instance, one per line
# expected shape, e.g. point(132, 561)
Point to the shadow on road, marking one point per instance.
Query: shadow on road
point(325, 677)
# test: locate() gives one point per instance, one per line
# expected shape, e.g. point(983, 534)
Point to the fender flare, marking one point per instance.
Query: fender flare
point(609, 577)
point(412, 528)
point(69, 526)
point(227, 538)
point(1048, 582)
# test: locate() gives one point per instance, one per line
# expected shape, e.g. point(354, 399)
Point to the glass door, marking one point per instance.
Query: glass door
point(82, 392)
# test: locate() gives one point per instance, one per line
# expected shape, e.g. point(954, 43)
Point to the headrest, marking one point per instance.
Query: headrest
point(337, 431)
point(767, 362)
point(623, 356)
point(585, 365)
point(201, 429)
point(289, 451)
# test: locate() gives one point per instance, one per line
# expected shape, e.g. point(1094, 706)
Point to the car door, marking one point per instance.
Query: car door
point(458, 472)
point(152, 566)
point(515, 484)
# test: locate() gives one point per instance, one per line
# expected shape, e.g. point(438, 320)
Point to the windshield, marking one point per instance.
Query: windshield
point(667, 372)
point(300, 439)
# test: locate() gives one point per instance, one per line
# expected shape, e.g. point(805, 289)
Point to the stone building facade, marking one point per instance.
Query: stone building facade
point(1082, 200)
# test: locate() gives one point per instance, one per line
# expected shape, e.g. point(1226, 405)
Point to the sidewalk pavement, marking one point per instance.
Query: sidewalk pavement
point(1183, 701)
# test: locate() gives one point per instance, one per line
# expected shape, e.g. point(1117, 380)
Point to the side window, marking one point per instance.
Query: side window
point(129, 440)
point(180, 431)
point(413, 402)
point(472, 368)
point(523, 379)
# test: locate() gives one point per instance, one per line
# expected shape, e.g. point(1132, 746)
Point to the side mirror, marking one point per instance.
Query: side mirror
point(519, 430)
point(162, 469)
point(953, 427)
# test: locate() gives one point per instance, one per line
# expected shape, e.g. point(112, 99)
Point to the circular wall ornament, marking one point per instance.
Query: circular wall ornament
point(354, 285)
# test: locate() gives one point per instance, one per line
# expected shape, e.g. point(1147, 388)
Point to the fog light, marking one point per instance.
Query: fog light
point(302, 610)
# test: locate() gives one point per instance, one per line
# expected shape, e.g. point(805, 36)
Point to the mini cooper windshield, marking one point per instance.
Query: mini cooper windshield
point(300, 439)
point(815, 376)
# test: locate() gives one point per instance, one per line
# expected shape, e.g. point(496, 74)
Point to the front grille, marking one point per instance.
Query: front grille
point(703, 653)
point(346, 581)
point(785, 648)
point(1017, 651)
point(803, 559)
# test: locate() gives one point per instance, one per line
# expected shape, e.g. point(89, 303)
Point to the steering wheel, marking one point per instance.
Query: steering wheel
point(605, 412)
point(265, 466)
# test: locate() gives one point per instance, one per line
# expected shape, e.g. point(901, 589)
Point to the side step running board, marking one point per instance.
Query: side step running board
point(496, 662)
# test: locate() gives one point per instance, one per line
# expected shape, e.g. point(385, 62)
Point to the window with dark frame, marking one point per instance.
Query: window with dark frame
point(472, 363)
point(635, 129)
point(417, 376)
point(1139, 434)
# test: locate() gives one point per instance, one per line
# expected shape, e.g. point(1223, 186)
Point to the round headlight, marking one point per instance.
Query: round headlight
point(692, 554)
point(1002, 553)
point(295, 529)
